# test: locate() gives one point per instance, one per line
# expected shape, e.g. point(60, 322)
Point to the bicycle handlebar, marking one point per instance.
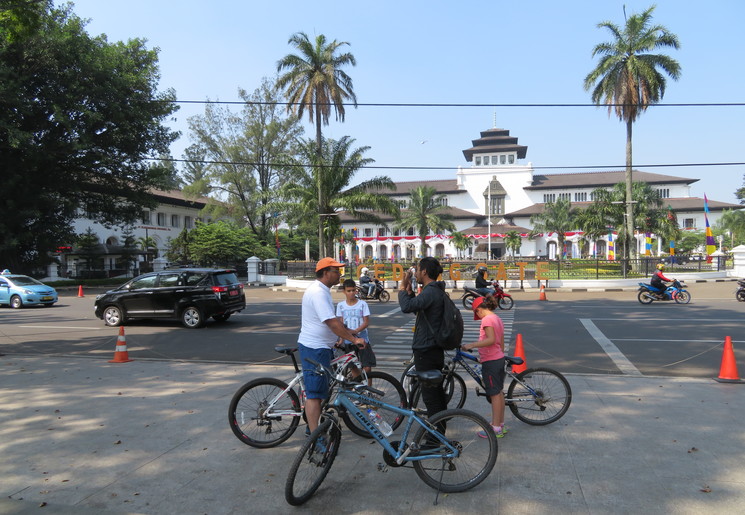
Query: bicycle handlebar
point(322, 369)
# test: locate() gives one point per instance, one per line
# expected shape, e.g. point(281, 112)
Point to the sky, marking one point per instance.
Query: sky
point(495, 53)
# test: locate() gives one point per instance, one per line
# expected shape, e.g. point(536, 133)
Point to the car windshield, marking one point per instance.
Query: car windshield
point(225, 278)
point(24, 280)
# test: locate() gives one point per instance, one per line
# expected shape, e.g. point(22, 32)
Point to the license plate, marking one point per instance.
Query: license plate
point(47, 298)
point(233, 293)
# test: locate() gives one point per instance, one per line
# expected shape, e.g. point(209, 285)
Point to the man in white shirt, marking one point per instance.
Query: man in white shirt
point(319, 331)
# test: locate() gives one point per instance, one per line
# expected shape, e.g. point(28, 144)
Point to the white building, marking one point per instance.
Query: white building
point(497, 182)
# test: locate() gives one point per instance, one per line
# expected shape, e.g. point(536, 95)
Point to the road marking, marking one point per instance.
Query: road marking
point(675, 341)
point(59, 327)
point(389, 313)
point(623, 364)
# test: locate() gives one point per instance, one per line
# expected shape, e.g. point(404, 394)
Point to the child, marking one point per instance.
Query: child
point(491, 356)
point(355, 314)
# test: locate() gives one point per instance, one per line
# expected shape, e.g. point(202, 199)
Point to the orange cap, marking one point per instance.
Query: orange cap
point(326, 262)
point(476, 303)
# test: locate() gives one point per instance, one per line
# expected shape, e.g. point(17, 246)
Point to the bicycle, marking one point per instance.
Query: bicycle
point(266, 411)
point(536, 396)
point(462, 458)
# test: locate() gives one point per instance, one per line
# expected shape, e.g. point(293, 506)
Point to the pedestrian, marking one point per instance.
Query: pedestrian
point(319, 332)
point(428, 355)
point(355, 314)
point(491, 357)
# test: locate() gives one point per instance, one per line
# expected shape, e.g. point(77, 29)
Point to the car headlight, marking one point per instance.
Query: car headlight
point(28, 292)
point(98, 297)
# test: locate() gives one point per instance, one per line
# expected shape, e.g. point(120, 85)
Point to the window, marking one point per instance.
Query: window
point(511, 159)
point(188, 223)
point(382, 231)
point(174, 220)
point(410, 232)
point(477, 161)
point(549, 197)
point(162, 219)
point(146, 217)
point(502, 159)
point(565, 196)
point(497, 205)
point(397, 232)
point(580, 196)
point(442, 202)
point(368, 232)
point(143, 282)
point(169, 279)
point(664, 193)
point(689, 223)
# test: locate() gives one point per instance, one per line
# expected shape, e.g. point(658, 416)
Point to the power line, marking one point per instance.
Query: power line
point(374, 167)
point(416, 104)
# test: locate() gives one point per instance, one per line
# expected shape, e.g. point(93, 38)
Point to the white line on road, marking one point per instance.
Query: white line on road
point(389, 313)
point(623, 364)
point(60, 327)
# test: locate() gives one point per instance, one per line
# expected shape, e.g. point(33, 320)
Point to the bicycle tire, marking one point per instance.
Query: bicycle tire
point(312, 463)
point(552, 399)
point(477, 454)
point(247, 418)
point(408, 383)
point(455, 393)
point(393, 394)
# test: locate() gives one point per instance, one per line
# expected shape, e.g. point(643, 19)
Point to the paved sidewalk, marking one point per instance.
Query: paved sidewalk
point(85, 436)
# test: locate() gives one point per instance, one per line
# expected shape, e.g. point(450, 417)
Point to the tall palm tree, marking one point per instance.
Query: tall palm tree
point(558, 217)
point(425, 214)
point(314, 80)
point(513, 241)
point(333, 172)
point(461, 242)
point(629, 78)
point(733, 221)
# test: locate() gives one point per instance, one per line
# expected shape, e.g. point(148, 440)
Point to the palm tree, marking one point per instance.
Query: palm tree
point(460, 241)
point(733, 222)
point(628, 78)
point(314, 80)
point(332, 173)
point(513, 241)
point(425, 214)
point(558, 217)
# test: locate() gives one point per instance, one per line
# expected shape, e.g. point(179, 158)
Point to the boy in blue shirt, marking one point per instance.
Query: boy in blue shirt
point(355, 314)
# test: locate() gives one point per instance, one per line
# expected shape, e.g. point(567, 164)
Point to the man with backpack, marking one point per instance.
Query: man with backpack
point(428, 353)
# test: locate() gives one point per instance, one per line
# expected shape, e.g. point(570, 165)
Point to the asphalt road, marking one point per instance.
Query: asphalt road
point(595, 333)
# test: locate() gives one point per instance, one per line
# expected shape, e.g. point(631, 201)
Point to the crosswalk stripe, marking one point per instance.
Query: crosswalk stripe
point(396, 347)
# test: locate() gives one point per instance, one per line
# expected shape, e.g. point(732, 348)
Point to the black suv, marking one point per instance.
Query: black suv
point(190, 294)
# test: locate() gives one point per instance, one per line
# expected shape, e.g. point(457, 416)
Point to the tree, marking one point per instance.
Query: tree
point(149, 246)
point(177, 249)
point(425, 214)
point(221, 243)
point(78, 118)
point(314, 80)
point(332, 173)
point(629, 78)
point(558, 217)
point(740, 193)
point(732, 222)
point(128, 256)
point(461, 242)
point(88, 248)
point(513, 241)
point(247, 153)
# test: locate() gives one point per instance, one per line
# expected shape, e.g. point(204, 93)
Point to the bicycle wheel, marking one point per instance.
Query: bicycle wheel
point(477, 454)
point(506, 303)
point(408, 383)
point(258, 424)
point(393, 394)
point(455, 392)
point(539, 396)
point(313, 462)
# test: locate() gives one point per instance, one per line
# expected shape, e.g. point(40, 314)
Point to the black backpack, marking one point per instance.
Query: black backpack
point(451, 328)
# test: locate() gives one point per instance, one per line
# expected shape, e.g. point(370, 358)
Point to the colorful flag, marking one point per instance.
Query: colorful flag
point(611, 249)
point(710, 245)
point(648, 244)
point(672, 248)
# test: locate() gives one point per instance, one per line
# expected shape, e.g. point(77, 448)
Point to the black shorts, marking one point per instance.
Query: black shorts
point(367, 357)
point(492, 374)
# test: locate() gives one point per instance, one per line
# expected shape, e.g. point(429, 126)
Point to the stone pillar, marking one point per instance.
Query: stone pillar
point(252, 267)
point(739, 257)
point(159, 264)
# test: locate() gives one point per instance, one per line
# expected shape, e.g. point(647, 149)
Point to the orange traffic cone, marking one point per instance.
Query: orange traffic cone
point(121, 355)
point(728, 369)
point(80, 291)
point(520, 353)
point(542, 295)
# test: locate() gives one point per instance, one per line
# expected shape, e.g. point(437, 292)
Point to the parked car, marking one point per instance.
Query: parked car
point(191, 295)
point(21, 290)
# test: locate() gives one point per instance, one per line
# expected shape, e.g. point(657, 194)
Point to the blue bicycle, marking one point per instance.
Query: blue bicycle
point(445, 450)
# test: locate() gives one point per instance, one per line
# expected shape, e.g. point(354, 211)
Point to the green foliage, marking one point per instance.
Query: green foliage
point(78, 117)
point(425, 214)
point(740, 193)
point(513, 241)
point(732, 226)
point(88, 248)
point(460, 241)
point(129, 252)
point(177, 249)
point(557, 217)
point(221, 244)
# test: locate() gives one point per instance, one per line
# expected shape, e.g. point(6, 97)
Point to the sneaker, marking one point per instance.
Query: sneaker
point(499, 433)
point(320, 446)
point(307, 431)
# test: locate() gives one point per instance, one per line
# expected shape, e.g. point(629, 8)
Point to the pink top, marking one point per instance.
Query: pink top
point(495, 351)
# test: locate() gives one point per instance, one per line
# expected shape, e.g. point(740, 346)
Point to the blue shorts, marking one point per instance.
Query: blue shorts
point(492, 373)
point(316, 386)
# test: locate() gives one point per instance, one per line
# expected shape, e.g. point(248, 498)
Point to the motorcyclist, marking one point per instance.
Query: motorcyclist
point(482, 285)
point(658, 279)
point(366, 283)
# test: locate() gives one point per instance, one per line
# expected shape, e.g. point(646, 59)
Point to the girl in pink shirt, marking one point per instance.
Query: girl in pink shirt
point(491, 356)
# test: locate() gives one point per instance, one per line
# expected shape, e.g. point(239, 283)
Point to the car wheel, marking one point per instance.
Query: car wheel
point(16, 302)
point(112, 316)
point(221, 318)
point(192, 317)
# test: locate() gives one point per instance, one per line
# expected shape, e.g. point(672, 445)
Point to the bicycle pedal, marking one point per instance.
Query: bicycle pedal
point(479, 393)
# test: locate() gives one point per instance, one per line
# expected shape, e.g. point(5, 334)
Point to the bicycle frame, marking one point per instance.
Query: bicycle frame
point(345, 399)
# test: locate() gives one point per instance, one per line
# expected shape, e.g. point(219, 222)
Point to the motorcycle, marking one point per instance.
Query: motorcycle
point(740, 293)
point(504, 300)
point(676, 291)
point(379, 293)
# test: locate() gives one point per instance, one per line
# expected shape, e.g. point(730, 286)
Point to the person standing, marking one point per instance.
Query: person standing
point(491, 356)
point(319, 332)
point(355, 314)
point(428, 355)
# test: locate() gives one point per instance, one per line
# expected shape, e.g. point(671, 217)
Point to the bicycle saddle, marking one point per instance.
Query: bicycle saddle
point(285, 350)
point(430, 377)
point(513, 360)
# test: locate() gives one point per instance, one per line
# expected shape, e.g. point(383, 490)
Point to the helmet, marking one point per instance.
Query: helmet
point(482, 269)
point(660, 266)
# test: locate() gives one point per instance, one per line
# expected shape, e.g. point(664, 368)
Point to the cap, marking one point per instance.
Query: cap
point(476, 303)
point(326, 262)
